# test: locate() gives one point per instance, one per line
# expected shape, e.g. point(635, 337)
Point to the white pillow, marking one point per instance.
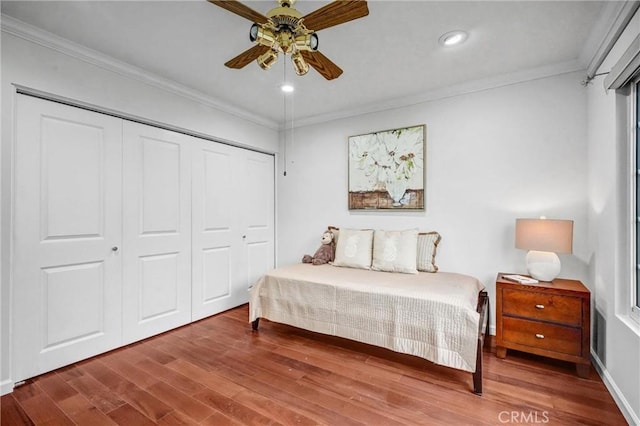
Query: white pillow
point(427, 244)
point(395, 251)
point(354, 248)
point(336, 233)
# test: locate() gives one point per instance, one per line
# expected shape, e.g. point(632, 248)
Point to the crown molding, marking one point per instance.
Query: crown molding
point(613, 19)
point(17, 28)
point(468, 87)
point(611, 23)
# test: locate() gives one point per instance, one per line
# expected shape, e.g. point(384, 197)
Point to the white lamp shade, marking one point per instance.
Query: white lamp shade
point(544, 238)
point(545, 235)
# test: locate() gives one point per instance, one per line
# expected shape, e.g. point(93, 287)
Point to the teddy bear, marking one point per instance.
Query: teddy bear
point(325, 254)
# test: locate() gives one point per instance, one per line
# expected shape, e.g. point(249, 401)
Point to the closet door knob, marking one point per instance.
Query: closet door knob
point(244, 237)
point(114, 248)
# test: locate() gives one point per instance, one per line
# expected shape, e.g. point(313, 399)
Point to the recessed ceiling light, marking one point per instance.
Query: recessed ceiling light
point(287, 88)
point(453, 38)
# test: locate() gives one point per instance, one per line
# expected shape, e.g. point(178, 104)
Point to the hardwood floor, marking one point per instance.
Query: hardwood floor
point(217, 372)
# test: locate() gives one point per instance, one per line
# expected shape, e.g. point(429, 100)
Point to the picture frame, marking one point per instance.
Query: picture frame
point(387, 169)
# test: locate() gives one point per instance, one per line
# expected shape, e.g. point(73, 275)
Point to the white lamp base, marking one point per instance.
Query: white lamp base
point(543, 265)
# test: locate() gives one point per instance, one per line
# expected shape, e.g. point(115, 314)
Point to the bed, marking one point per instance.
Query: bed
point(441, 317)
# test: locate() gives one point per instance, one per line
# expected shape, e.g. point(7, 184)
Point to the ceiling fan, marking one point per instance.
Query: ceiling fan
point(284, 30)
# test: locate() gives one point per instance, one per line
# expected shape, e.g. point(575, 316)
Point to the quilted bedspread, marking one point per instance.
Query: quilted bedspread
point(430, 315)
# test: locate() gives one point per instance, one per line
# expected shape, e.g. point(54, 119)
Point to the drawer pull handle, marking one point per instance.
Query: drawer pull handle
point(539, 336)
point(539, 306)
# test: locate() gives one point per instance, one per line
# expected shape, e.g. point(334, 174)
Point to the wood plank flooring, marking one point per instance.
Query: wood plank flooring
point(217, 372)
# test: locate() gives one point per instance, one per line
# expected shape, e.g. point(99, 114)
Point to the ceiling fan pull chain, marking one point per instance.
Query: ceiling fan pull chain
point(284, 103)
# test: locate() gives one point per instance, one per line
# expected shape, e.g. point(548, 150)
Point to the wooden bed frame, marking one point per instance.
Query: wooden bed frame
point(483, 327)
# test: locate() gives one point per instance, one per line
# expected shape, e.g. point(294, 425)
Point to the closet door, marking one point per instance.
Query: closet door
point(233, 201)
point(156, 230)
point(259, 217)
point(217, 233)
point(66, 236)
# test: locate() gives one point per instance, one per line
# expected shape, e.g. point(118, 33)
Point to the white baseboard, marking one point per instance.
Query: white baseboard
point(631, 417)
point(6, 387)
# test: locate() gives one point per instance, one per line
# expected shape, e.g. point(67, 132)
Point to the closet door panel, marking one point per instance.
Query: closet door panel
point(157, 231)
point(61, 185)
point(216, 273)
point(259, 225)
point(216, 230)
point(66, 220)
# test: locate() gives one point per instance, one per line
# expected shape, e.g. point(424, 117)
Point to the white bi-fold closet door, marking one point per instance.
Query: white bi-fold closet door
point(123, 230)
point(233, 216)
point(67, 234)
point(156, 230)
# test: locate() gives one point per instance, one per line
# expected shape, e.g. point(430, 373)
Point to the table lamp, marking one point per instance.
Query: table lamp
point(544, 238)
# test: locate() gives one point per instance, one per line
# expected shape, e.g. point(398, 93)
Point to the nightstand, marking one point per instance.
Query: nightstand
point(549, 318)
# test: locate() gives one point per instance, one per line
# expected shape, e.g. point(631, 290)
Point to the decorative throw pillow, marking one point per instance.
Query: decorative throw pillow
point(427, 244)
point(336, 233)
point(354, 248)
point(395, 251)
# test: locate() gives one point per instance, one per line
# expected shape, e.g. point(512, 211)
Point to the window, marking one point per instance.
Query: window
point(636, 116)
point(624, 78)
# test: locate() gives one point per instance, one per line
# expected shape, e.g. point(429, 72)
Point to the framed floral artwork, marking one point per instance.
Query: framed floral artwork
point(387, 169)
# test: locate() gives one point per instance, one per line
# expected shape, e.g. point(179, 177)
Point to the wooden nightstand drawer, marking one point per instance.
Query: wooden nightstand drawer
point(543, 306)
point(557, 338)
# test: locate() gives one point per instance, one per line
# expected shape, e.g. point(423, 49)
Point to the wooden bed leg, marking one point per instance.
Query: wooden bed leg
point(477, 375)
point(483, 329)
point(254, 324)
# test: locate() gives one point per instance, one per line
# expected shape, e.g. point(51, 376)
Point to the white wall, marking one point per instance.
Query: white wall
point(617, 338)
point(492, 156)
point(32, 65)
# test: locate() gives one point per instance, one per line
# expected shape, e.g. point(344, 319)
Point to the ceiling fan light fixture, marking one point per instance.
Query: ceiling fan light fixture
point(307, 42)
point(453, 38)
point(300, 66)
point(262, 35)
point(266, 60)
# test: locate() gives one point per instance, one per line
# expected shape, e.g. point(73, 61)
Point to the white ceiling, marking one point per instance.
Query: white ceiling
point(388, 57)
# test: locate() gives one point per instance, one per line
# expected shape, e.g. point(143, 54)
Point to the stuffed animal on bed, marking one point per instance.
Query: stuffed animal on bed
point(325, 254)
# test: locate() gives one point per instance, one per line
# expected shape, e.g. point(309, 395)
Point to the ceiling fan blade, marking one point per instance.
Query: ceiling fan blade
point(247, 56)
point(335, 13)
point(241, 10)
point(322, 64)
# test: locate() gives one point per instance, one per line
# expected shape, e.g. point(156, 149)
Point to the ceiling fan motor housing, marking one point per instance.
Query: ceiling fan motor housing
point(281, 21)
